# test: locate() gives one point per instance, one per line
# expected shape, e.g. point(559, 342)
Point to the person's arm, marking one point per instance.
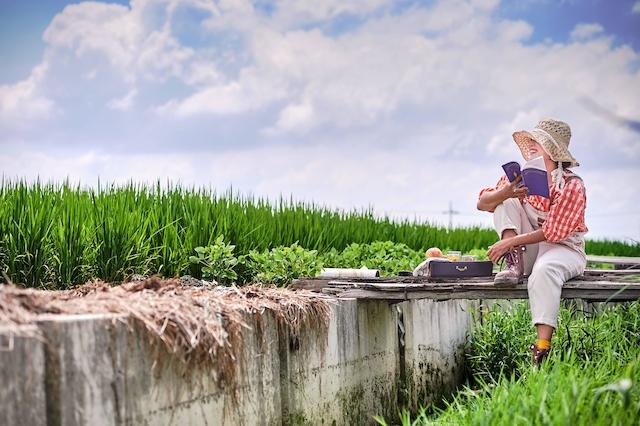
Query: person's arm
point(532, 237)
point(490, 199)
point(565, 215)
point(497, 250)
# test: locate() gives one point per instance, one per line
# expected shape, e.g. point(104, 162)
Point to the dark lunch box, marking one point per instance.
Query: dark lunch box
point(460, 269)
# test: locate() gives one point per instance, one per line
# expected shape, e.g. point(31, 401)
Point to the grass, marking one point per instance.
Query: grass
point(56, 235)
point(592, 376)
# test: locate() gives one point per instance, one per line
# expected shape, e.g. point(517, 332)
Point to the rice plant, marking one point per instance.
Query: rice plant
point(55, 235)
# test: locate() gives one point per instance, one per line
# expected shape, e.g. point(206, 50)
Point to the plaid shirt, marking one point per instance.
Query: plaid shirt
point(565, 209)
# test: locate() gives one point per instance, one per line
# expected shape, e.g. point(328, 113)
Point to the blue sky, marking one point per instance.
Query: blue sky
point(402, 106)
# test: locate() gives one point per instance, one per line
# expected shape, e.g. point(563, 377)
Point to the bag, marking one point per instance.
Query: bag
point(460, 269)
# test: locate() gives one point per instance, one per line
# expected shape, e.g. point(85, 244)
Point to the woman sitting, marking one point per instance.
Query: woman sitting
point(540, 237)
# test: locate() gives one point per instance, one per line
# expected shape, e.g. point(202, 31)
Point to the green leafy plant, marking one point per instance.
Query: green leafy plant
point(389, 257)
point(217, 261)
point(281, 265)
point(479, 253)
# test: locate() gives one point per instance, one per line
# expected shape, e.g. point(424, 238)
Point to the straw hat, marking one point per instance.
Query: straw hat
point(553, 136)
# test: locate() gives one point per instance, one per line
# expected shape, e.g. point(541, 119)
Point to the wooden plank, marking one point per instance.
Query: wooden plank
point(588, 289)
point(332, 291)
point(502, 293)
point(610, 272)
point(488, 285)
point(313, 284)
point(317, 284)
point(615, 260)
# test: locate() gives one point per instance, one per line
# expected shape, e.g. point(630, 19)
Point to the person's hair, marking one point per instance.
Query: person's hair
point(566, 164)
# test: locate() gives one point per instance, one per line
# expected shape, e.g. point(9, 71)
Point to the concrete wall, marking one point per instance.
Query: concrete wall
point(373, 358)
point(346, 376)
point(436, 333)
point(22, 377)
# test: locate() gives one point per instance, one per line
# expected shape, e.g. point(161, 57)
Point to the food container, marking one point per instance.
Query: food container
point(453, 255)
point(468, 258)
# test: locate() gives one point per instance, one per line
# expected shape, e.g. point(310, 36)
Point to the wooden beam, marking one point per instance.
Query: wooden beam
point(615, 260)
point(592, 288)
point(597, 285)
point(600, 295)
point(313, 284)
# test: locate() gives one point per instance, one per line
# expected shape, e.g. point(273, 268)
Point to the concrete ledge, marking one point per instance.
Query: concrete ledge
point(374, 358)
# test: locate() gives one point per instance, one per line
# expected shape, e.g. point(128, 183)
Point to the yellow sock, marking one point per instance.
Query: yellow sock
point(543, 344)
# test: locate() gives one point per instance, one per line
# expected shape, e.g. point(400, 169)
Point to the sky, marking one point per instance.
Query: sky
point(399, 106)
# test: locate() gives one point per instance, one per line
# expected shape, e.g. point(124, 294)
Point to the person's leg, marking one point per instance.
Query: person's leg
point(555, 265)
point(508, 217)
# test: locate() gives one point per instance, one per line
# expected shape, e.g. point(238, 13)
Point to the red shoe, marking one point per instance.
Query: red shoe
point(538, 355)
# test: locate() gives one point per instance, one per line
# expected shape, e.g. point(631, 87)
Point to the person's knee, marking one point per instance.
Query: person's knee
point(544, 271)
point(512, 202)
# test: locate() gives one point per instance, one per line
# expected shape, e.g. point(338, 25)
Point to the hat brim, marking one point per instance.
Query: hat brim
point(523, 139)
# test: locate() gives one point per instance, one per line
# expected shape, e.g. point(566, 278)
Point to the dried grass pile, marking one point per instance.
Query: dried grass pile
point(203, 327)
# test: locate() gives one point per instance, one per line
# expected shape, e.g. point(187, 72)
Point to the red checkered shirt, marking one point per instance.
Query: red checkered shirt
point(565, 209)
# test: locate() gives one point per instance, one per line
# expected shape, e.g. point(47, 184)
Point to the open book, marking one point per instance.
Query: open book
point(534, 175)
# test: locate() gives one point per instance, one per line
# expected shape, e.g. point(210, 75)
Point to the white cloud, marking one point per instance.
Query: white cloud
point(586, 31)
point(248, 94)
point(203, 73)
point(299, 12)
point(125, 103)
point(88, 166)
point(127, 38)
point(294, 117)
point(96, 27)
point(24, 101)
point(636, 7)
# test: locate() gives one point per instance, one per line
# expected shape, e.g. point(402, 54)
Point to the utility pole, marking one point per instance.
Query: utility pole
point(451, 212)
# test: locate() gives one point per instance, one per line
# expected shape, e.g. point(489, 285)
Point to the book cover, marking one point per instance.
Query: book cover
point(534, 175)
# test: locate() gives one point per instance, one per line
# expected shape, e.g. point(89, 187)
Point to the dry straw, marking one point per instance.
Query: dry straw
point(201, 326)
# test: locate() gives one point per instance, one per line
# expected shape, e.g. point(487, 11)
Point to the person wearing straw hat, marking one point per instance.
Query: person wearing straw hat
point(540, 237)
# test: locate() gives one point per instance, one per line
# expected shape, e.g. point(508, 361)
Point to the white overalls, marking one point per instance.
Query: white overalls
point(549, 265)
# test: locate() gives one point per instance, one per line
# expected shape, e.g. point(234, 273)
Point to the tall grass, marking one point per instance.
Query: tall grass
point(59, 234)
point(592, 376)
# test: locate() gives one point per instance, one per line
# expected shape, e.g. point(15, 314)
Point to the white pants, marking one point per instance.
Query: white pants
point(549, 265)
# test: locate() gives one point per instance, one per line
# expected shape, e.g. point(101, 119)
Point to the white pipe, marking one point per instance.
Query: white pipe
point(349, 273)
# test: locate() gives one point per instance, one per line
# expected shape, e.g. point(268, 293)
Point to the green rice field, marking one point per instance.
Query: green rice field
point(56, 235)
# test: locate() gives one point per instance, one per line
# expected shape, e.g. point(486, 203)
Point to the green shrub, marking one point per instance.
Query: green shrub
point(281, 265)
point(480, 253)
point(389, 257)
point(217, 261)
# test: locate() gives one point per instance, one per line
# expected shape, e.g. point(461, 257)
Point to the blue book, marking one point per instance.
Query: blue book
point(534, 175)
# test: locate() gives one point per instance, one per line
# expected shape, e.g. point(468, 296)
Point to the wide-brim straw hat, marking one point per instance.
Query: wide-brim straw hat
point(553, 136)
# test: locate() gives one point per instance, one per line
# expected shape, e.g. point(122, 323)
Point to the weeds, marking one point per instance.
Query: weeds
point(591, 377)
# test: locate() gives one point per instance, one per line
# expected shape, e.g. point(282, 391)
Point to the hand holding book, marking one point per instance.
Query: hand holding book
point(533, 175)
point(515, 189)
